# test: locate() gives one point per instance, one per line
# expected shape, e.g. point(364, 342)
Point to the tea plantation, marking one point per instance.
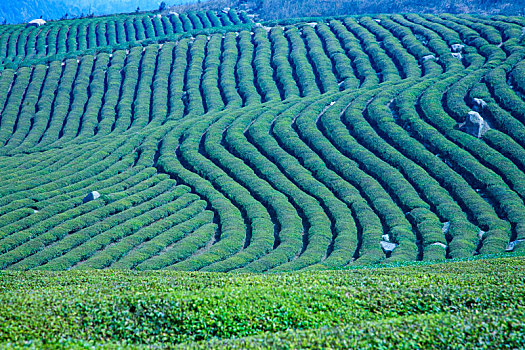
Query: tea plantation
point(457, 305)
point(210, 142)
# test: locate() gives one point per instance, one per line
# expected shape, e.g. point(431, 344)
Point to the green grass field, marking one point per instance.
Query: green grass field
point(299, 147)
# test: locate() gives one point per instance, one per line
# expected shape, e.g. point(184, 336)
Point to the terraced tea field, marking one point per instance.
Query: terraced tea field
point(220, 144)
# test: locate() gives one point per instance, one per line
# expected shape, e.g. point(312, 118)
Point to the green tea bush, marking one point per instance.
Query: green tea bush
point(219, 144)
point(455, 305)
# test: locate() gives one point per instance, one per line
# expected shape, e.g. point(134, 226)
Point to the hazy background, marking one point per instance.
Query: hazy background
point(280, 9)
point(18, 11)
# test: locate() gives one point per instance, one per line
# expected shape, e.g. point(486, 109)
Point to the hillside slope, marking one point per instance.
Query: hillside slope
point(218, 144)
point(57, 41)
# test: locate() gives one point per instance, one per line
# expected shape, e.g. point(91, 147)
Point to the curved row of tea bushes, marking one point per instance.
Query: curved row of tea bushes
point(92, 107)
point(305, 76)
point(152, 241)
point(282, 65)
point(23, 244)
point(321, 64)
point(192, 97)
point(124, 108)
point(210, 77)
point(227, 77)
point(176, 80)
point(245, 73)
point(263, 66)
point(381, 62)
point(406, 64)
point(308, 146)
point(288, 226)
point(85, 243)
point(342, 65)
point(79, 93)
point(160, 85)
point(19, 45)
point(142, 108)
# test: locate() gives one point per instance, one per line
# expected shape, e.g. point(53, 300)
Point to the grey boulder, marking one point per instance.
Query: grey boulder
point(474, 125)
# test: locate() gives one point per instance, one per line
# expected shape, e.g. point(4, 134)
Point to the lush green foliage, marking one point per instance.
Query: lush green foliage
point(454, 305)
point(219, 144)
point(71, 38)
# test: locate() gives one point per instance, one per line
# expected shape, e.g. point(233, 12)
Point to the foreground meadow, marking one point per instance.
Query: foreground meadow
point(470, 304)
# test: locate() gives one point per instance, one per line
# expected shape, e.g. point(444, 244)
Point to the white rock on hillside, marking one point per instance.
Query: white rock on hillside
point(446, 227)
point(91, 196)
point(457, 47)
point(510, 247)
point(479, 102)
point(457, 55)
point(388, 247)
point(439, 244)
